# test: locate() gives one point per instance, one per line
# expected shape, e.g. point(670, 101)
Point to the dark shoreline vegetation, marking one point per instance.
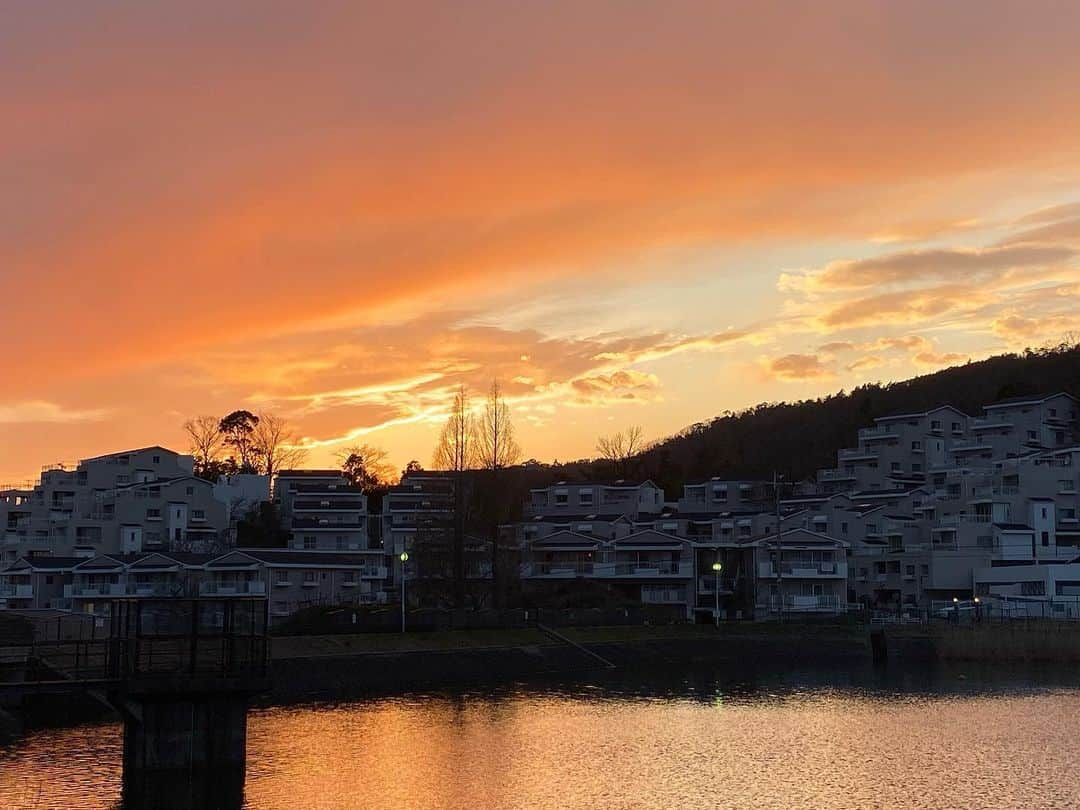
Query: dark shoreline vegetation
point(799, 438)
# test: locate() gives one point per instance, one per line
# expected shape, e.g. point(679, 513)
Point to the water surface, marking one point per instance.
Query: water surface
point(832, 738)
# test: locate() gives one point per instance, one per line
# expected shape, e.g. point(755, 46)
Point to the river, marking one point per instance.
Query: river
point(839, 737)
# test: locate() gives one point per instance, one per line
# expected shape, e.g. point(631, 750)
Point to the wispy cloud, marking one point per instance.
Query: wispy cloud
point(42, 411)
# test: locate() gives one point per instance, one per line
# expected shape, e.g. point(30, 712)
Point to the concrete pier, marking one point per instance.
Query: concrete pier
point(184, 751)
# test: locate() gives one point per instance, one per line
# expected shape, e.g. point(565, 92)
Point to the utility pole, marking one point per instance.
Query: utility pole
point(404, 557)
point(779, 549)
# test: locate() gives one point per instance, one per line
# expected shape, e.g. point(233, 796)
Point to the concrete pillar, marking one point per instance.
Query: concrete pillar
point(184, 752)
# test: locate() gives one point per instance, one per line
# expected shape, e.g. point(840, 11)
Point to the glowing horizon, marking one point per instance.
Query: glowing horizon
point(628, 214)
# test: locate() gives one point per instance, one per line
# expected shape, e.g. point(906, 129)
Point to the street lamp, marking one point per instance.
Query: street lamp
point(404, 557)
point(717, 568)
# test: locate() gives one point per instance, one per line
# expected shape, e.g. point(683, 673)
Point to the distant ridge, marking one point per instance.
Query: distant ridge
point(799, 438)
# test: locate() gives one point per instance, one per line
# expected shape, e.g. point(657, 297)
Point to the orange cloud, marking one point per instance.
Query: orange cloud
point(799, 367)
point(865, 363)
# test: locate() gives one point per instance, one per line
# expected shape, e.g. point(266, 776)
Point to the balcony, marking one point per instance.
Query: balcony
point(856, 454)
point(645, 569)
point(879, 432)
point(835, 475)
point(12, 591)
point(956, 520)
point(373, 572)
point(798, 569)
point(663, 596)
point(988, 424)
point(803, 604)
point(83, 590)
point(154, 588)
point(233, 588)
point(558, 570)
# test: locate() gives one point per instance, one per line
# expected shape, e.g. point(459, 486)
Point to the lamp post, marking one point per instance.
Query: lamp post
point(717, 568)
point(404, 557)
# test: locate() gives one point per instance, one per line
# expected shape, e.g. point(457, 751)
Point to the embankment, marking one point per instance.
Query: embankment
point(1036, 641)
point(317, 667)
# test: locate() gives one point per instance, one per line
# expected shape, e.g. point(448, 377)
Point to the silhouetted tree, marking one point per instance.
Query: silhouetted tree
point(238, 429)
point(366, 466)
point(205, 441)
point(496, 449)
point(619, 449)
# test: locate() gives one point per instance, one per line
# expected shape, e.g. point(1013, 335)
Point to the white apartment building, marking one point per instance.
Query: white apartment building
point(897, 451)
point(648, 567)
point(616, 498)
point(421, 505)
point(322, 511)
point(290, 580)
point(145, 499)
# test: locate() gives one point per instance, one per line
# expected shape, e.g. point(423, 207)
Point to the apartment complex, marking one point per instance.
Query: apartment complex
point(323, 511)
point(289, 580)
point(927, 507)
point(140, 500)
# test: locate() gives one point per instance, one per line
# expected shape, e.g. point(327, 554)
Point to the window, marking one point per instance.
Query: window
point(1033, 589)
point(956, 427)
point(198, 514)
point(339, 541)
point(281, 577)
point(916, 467)
point(843, 527)
point(1046, 538)
point(310, 577)
point(909, 570)
point(1065, 485)
point(935, 425)
point(585, 497)
point(157, 459)
point(894, 466)
point(925, 570)
point(561, 498)
point(153, 514)
point(48, 580)
point(1032, 434)
point(916, 445)
point(309, 541)
point(190, 490)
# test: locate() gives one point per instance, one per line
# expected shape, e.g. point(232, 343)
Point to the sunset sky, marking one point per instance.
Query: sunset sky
point(628, 212)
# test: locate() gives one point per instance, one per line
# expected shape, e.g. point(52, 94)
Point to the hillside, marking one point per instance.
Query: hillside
point(798, 438)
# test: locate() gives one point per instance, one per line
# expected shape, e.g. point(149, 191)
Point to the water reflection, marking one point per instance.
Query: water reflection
point(835, 738)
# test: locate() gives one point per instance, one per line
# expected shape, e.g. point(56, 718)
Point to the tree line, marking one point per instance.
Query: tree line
point(243, 442)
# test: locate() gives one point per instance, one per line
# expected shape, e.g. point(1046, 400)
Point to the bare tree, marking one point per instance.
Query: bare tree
point(455, 450)
point(620, 448)
point(495, 444)
point(205, 440)
point(366, 466)
point(496, 449)
point(275, 445)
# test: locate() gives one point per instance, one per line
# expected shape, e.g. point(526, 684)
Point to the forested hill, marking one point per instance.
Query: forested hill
point(799, 438)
